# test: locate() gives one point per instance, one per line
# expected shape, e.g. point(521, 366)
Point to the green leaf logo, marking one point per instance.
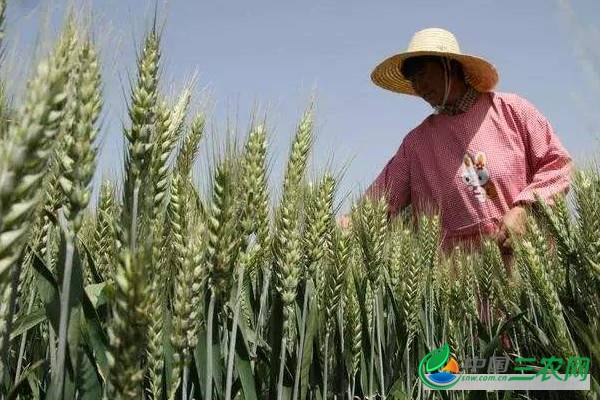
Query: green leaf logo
point(437, 358)
point(432, 362)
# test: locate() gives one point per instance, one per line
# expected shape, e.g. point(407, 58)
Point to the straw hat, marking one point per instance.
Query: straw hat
point(479, 73)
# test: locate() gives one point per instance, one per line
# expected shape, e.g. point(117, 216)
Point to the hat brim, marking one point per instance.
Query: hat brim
point(479, 73)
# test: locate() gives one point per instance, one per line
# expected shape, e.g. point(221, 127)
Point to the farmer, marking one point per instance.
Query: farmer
point(479, 158)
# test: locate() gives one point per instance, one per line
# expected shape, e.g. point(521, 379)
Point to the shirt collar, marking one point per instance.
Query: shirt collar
point(465, 103)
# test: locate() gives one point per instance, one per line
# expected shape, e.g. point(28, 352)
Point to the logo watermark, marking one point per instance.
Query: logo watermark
point(439, 371)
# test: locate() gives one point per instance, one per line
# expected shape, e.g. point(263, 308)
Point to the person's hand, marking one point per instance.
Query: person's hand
point(343, 221)
point(513, 223)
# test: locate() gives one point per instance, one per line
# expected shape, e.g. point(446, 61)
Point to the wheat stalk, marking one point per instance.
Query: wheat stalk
point(353, 331)
point(128, 326)
point(140, 134)
point(223, 247)
point(182, 290)
point(336, 269)
point(318, 222)
point(255, 198)
point(104, 242)
point(287, 241)
point(533, 254)
point(189, 148)
point(24, 158)
point(370, 231)
point(168, 127)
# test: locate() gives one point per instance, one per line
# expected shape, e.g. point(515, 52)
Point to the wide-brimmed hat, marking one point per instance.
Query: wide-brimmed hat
point(479, 73)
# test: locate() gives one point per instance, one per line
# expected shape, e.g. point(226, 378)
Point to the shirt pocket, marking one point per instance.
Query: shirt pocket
point(505, 167)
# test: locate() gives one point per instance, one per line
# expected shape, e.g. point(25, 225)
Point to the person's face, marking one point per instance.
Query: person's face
point(429, 82)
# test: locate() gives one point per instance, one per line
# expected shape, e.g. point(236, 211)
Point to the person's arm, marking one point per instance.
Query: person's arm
point(549, 161)
point(550, 166)
point(393, 182)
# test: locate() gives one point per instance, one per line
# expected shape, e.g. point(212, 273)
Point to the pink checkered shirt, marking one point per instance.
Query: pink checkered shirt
point(475, 166)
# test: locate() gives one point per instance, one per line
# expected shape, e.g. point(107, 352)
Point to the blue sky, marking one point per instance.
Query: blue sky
point(275, 52)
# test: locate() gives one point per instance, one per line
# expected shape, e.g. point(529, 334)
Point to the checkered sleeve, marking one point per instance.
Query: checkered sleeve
point(549, 162)
point(393, 182)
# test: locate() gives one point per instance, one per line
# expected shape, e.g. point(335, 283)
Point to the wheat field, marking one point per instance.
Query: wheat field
point(159, 291)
